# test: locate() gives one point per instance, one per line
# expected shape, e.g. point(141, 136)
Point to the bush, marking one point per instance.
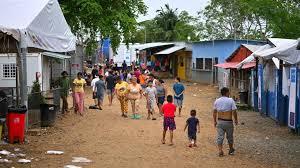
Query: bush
point(35, 98)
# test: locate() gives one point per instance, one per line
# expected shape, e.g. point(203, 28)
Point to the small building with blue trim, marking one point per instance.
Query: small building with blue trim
point(279, 82)
point(205, 54)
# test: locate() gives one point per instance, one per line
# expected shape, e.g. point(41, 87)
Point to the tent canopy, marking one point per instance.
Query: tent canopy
point(285, 51)
point(37, 24)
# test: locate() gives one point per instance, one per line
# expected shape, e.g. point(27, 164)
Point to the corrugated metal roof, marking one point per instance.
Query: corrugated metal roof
point(170, 50)
point(251, 47)
point(233, 65)
point(56, 55)
point(151, 45)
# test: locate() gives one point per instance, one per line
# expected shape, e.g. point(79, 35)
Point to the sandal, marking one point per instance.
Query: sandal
point(231, 151)
point(190, 145)
point(153, 118)
point(221, 154)
point(163, 141)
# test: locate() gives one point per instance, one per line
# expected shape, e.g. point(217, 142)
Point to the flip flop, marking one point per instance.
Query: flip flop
point(163, 141)
point(153, 118)
point(137, 117)
point(221, 154)
point(171, 144)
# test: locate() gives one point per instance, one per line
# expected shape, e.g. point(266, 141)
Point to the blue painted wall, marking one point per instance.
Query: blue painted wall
point(218, 48)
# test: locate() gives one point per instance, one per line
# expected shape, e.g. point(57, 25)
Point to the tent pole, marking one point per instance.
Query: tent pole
point(23, 75)
point(18, 65)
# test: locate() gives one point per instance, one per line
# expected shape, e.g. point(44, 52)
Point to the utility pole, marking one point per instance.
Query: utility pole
point(145, 35)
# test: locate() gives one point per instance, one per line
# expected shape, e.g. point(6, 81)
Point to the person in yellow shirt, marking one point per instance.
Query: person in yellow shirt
point(121, 91)
point(78, 85)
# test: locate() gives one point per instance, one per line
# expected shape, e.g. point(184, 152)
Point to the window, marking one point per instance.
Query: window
point(9, 71)
point(204, 63)
point(208, 63)
point(199, 63)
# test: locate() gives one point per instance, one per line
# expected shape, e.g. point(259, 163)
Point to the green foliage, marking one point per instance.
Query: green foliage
point(255, 19)
point(35, 98)
point(168, 25)
point(112, 18)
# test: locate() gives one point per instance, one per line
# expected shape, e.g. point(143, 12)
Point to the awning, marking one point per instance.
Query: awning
point(170, 50)
point(56, 55)
point(233, 65)
point(151, 45)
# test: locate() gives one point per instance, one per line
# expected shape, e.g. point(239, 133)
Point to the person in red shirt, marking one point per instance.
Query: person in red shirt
point(169, 110)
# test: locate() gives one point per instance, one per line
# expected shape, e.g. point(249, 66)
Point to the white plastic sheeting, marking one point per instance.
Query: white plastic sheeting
point(251, 57)
point(37, 23)
point(286, 51)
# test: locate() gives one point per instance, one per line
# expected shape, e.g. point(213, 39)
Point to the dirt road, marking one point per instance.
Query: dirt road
point(111, 141)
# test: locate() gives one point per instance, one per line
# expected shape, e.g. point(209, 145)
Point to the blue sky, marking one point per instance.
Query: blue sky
point(192, 6)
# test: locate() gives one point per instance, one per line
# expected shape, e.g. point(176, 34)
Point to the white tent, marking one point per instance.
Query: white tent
point(275, 51)
point(284, 49)
point(287, 52)
point(37, 23)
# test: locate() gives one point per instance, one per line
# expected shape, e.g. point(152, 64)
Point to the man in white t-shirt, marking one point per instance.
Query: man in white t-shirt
point(224, 110)
point(93, 84)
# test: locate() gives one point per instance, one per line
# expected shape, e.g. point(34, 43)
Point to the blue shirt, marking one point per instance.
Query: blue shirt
point(178, 89)
point(192, 123)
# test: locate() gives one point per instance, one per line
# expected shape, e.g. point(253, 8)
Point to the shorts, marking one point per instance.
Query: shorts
point(222, 128)
point(192, 135)
point(169, 123)
point(178, 102)
point(151, 105)
point(100, 97)
point(161, 100)
point(110, 91)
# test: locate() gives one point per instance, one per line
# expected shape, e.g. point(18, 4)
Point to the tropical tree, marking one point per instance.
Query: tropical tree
point(168, 25)
point(255, 19)
point(167, 19)
point(115, 19)
point(186, 28)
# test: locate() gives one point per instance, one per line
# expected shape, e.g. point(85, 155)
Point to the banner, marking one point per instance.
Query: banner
point(292, 101)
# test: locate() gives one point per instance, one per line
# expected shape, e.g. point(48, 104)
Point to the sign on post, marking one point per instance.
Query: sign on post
point(292, 101)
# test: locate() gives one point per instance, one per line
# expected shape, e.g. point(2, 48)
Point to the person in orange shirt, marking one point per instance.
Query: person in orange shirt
point(143, 78)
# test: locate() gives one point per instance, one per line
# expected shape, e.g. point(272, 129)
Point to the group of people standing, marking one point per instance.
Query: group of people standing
point(133, 86)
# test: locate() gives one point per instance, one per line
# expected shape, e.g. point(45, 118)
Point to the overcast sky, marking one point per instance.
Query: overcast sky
point(192, 6)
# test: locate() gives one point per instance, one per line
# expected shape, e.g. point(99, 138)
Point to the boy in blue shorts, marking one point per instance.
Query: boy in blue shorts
point(193, 126)
point(178, 89)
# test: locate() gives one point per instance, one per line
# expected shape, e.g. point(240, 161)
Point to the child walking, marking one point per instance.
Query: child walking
point(193, 125)
point(169, 110)
point(151, 97)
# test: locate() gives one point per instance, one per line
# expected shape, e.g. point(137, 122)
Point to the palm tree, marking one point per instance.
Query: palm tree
point(166, 20)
